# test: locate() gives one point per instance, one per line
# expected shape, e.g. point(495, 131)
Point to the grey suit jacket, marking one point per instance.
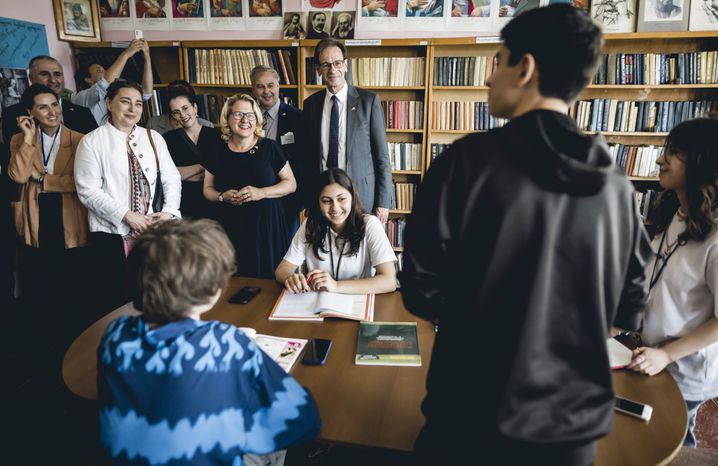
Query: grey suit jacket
point(366, 151)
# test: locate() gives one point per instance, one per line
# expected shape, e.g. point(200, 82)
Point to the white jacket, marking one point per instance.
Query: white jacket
point(102, 175)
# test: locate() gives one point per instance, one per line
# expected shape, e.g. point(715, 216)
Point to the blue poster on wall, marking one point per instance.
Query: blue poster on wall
point(20, 41)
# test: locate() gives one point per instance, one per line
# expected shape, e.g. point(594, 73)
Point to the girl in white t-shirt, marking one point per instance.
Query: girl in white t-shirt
point(346, 250)
point(680, 328)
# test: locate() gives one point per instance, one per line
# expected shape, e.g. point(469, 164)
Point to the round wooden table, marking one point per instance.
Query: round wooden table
point(388, 415)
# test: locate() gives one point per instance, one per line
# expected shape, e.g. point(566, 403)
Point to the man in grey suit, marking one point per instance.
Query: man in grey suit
point(346, 129)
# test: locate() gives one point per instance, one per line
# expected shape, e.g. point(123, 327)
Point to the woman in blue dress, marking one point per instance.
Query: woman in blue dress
point(247, 177)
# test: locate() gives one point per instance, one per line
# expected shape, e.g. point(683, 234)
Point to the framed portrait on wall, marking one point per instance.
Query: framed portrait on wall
point(615, 15)
point(663, 15)
point(704, 15)
point(77, 20)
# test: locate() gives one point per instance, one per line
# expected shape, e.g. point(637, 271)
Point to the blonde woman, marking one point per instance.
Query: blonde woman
point(247, 176)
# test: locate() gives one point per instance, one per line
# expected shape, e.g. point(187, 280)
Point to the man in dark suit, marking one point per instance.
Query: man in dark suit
point(356, 139)
point(48, 71)
point(282, 123)
point(319, 22)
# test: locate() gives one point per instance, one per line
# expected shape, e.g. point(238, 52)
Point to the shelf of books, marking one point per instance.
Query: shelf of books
point(219, 69)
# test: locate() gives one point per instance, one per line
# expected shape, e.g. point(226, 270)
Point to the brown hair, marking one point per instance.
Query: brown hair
point(178, 265)
point(227, 108)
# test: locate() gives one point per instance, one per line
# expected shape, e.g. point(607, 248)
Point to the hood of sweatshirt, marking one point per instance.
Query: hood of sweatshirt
point(556, 154)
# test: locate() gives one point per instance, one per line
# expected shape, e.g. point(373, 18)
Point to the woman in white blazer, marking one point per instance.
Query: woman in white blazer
point(116, 173)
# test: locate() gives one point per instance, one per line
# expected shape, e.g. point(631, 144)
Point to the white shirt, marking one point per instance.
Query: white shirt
point(326, 117)
point(94, 99)
point(683, 298)
point(272, 125)
point(102, 175)
point(374, 249)
point(52, 149)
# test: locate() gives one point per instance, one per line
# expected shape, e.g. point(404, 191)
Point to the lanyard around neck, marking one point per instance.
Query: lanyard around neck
point(656, 276)
point(331, 257)
point(46, 159)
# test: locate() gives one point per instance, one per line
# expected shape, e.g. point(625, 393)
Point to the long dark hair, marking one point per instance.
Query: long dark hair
point(318, 225)
point(693, 143)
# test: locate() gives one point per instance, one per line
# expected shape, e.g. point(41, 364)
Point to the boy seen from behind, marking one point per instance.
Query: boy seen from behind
point(177, 390)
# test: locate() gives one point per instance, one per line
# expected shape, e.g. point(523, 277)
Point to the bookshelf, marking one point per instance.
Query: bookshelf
point(219, 69)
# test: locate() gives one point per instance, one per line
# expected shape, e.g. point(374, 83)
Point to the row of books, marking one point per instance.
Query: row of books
point(402, 196)
point(636, 160)
point(658, 68)
point(645, 200)
point(463, 116)
point(388, 71)
point(630, 116)
point(405, 155)
point(394, 228)
point(403, 114)
point(463, 71)
point(232, 66)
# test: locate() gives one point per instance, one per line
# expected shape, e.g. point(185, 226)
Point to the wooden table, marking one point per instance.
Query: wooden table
point(379, 406)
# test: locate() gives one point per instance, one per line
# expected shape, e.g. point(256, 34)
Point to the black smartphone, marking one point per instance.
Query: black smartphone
point(633, 408)
point(316, 352)
point(245, 294)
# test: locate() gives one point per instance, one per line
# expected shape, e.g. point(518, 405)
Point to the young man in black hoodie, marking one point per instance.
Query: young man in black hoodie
point(526, 246)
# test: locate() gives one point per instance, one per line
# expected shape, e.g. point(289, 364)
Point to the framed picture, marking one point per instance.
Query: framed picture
point(77, 20)
point(663, 15)
point(704, 15)
point(614, 15)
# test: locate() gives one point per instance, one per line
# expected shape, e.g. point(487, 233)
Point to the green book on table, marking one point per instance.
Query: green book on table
point(388, 344)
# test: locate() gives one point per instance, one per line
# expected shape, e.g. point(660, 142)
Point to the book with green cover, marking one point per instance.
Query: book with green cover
point(388, 344)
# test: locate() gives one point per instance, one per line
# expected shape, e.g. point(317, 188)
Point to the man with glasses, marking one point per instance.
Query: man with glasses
point(282, 123)
point(346, 129)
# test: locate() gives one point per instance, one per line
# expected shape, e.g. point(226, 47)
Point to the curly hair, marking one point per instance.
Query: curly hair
point(692, 142)
point(318, 225)
point(227, 109)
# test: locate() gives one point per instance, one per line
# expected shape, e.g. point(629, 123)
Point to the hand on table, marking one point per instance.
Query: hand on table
point(649, 361)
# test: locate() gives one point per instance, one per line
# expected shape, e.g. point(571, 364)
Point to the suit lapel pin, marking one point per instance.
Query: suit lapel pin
point(354, 109)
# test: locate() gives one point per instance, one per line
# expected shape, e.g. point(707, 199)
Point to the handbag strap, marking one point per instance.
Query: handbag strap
point(154, 149)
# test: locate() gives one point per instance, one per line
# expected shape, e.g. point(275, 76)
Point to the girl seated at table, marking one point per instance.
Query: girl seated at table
point(174, 389)
point(346, 250)
point(680, 327)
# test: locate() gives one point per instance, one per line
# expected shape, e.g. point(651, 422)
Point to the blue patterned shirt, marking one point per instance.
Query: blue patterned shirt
point(195, 392)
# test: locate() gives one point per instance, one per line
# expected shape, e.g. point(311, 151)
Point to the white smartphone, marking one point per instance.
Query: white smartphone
point(633, 408)
point(138, 34)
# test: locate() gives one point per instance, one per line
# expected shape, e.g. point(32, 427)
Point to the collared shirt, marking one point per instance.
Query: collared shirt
point(94, 99)
point(326, 116)
point(272, 126)
point(47, 143)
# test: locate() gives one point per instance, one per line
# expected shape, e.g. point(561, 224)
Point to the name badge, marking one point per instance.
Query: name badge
point(287, 138)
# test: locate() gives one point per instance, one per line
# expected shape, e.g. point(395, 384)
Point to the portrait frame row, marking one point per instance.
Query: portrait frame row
point(83, 20)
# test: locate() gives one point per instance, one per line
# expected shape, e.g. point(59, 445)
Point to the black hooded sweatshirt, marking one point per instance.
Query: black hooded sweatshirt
point(526, 244)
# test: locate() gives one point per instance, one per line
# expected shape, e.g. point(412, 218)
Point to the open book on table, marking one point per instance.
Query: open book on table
point(314, 306)
point(284, 351)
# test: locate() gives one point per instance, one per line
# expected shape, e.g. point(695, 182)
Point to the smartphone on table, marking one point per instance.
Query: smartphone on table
point(633, 408)
point(244, 295)
point(316, 352)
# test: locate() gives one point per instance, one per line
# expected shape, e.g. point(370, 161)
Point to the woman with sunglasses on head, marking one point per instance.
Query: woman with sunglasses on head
point(345, 249)
point(680, 327)
point(190, 146)
point(247, 177)
point(121, 170)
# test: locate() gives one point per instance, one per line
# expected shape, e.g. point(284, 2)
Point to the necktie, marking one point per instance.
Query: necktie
point(333, 154)
point(266, 120)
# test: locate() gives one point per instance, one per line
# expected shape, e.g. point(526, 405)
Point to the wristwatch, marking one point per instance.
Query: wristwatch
point(41, 179)
point(220, 198)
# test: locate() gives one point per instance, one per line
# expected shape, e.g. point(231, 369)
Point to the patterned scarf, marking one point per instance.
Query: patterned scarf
point(140, 195)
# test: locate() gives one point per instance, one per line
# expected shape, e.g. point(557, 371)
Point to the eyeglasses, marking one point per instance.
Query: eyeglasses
point(178, 113)
point(338, 64)
point(250, 116)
